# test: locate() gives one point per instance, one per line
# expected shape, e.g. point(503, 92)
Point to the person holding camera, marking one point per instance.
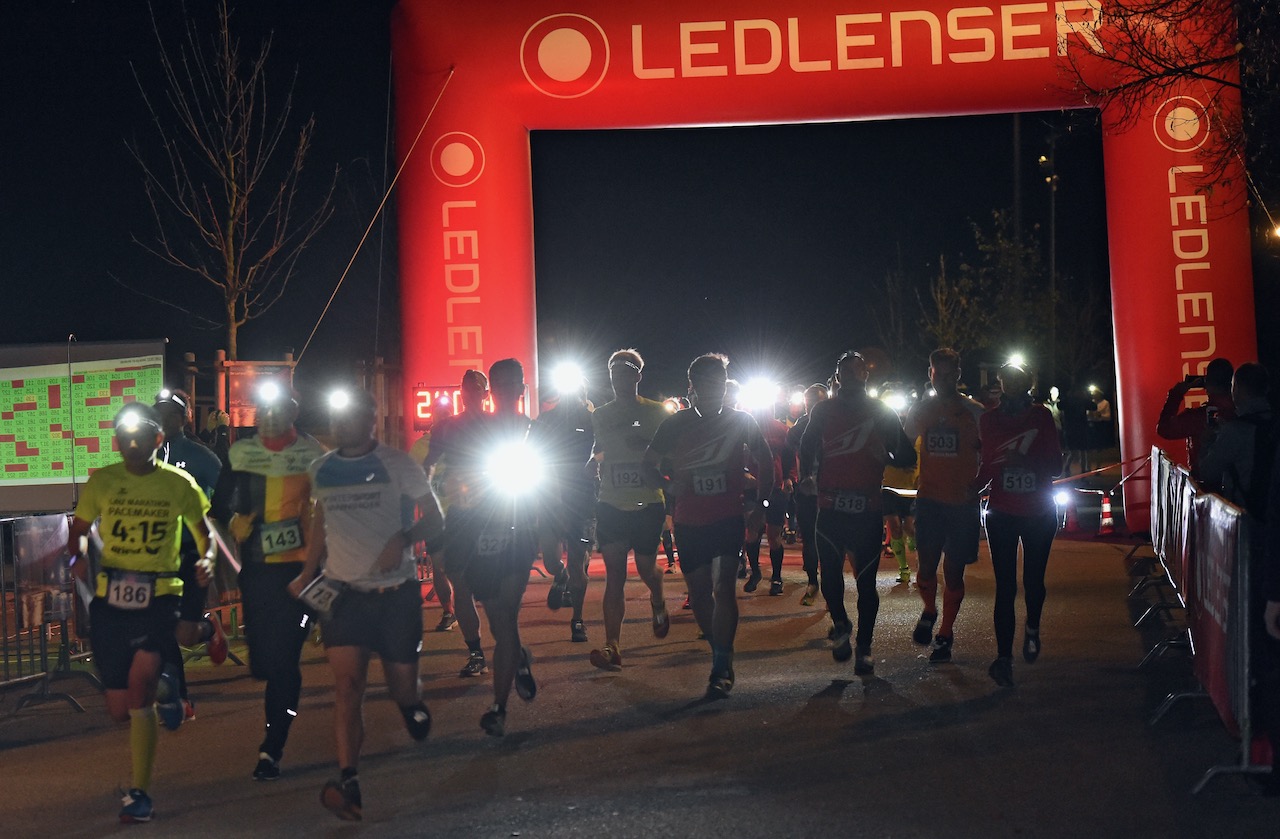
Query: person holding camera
point(1178, 422)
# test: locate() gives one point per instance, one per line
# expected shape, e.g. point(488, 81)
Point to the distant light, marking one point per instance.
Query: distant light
point(797, 398)
point(566, 377)
point(672, 405)
point(444, 401)
point(1093, 388)
point(1062, 498)
point(873, 392)
point(1276, 230)
point(896, 401)
point(1018, 359)
point(758, 394)
point(930, 391)
point(339, 400)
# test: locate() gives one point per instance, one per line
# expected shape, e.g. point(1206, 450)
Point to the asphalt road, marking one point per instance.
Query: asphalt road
point(801, 748)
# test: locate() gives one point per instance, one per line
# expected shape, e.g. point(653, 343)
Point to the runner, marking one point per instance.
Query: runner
point(849, 440)
point(196, 626)
point(701, 455)
point(361, 537)
point(439, 466)
point(1020, 458)
point(492, 528)
point(441, 588)
point(141, 506)
point(566, 520)
point(270, 493)
point(631, 513)
point(768, 519)
point(807, 502)
point(944, 428)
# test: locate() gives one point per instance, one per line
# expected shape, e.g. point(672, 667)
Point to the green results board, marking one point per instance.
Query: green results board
point(56, 422)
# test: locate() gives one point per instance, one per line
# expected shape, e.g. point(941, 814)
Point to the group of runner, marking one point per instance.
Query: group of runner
point(331, 534)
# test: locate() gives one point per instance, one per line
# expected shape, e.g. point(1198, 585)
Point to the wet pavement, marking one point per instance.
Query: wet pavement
point(803, 747)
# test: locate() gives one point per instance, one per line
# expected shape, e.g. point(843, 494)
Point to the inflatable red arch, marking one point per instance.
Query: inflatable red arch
point(472, 79)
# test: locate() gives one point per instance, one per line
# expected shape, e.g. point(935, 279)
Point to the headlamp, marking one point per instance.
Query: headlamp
point(133, 422)
point(566, 377)
point(268, 393)
point(339, 400)
point(515, 468)
point(758, 394)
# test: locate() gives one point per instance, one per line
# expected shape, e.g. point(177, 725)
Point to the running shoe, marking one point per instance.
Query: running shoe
point(864, 665)
point(842, 649)
point(923, 633)
point(418, 722)
point(904, 575)
point(607, 659)
point(661, 621)
point(720, 684)
point(1030, 644)
point(268, 768)
point(168, 703)
point(1001, 672)
point(940, 652)
point(494, 721)
point(216, 646)
point(742, 570)
point(752, 582)
point(578, 631)
point(136, 807)
point(342, 798)
point(810, 594)
point(447, 621)
point(188, 710)
point(475, 665)
point(687, 605)
point(526, 687)
point(775, 588)
point(557, 595)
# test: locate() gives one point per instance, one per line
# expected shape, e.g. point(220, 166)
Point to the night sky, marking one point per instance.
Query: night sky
point(759, 242)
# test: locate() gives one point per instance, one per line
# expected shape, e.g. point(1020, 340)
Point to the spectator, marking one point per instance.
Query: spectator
point(1237, 449)
point(1190, 424)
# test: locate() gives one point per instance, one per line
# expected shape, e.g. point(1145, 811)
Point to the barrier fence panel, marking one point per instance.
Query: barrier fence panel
point(1207, 540)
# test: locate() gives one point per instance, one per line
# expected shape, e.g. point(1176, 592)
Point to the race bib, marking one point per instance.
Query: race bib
point(130, 589)
point(280, 536)
point(944, 442)
point(1016, 480)
point(709, 483)
point(321, 594)
point(625, 476)
point(849, 502)
point(493, 544)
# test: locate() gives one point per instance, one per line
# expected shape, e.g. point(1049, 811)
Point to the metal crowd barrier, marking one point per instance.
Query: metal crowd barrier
point(1203, 545)
point(40, 624)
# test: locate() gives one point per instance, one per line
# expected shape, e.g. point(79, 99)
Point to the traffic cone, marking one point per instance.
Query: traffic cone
point(1071, 524)
point(1107, 525)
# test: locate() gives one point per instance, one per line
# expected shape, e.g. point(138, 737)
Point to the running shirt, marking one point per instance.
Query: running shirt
point(196, 459)
point(848, 442)
point(784, 456)
point(276, 486)
point(946, 439)
point(565, 437)
point(1020, 458)
point(366, 500)
point(141, 519)
point(706, 456)
point(623, 430)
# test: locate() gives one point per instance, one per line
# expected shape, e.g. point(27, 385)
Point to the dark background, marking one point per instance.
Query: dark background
point(758, 242)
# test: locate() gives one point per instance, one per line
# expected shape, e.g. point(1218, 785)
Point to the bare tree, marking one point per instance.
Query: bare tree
point(225, 188)
point(952, 313)
point(1143, 48)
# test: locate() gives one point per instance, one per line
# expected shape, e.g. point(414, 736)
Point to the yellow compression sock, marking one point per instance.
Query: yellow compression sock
point(144, 734)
